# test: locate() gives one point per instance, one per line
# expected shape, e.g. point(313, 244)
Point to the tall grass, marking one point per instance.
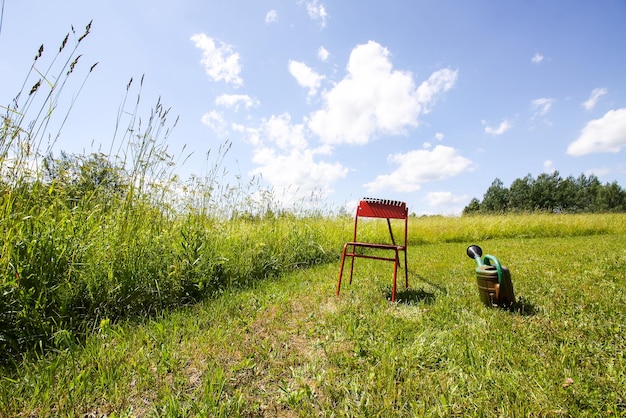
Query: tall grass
point(529, 225)
point(107, 236)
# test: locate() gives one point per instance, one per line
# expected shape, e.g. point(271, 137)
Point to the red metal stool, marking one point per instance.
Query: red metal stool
point(378, 208)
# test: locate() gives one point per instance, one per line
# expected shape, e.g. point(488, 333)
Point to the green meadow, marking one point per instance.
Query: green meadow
point(126, 291)
point(286, 345)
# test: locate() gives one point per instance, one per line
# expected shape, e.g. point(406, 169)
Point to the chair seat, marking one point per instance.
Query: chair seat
point(375, 245)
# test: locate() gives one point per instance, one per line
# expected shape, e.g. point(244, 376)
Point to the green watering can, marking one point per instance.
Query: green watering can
point(495, 287)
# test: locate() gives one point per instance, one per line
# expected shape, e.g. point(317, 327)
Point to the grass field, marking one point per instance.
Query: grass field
point(287, 346)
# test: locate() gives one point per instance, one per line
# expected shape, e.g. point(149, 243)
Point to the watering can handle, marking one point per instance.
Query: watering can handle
point(497, 265)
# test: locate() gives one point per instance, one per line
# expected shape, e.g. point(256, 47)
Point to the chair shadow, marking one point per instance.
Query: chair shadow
point(423, 291)
point(412, 296)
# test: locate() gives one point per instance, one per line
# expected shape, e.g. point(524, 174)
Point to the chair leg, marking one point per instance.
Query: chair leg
point(395, 275)
point(352, 264)
point(406, 271)
point(343, 259)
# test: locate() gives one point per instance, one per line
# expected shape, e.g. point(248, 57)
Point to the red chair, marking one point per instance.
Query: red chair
point(378, 208)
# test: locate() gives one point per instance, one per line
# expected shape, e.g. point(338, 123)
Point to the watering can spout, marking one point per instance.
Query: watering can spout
point(475, 252)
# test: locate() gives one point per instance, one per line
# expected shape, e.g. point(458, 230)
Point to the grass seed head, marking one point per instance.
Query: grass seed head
point(87, 30)
point(35, 87)
point(39, 52)
point(64, 42)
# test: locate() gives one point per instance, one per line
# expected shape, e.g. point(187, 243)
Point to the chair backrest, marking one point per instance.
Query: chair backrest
point(382, 208)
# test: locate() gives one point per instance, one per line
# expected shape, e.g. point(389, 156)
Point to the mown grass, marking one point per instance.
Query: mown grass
point(287, 346)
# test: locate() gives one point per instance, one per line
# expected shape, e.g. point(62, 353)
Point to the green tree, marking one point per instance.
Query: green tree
point(520, 194)
point(544, 191)
point(550, 192)
point(496, 198)
point(610, 198)
point(472, 208)
point(567, 192)
point(85, 176)
point(588, 188)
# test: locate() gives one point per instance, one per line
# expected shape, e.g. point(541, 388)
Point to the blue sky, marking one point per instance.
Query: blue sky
point(421, 101)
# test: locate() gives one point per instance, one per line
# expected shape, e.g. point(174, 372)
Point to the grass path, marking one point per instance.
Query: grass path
point(290, 347)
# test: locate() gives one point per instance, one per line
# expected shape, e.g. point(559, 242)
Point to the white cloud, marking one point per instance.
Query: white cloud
point(220, 62)
point(595, 96)
point(323, 54)
point(607, 134)
point(235, 100)
point(252, 135)
point(437, 199)
point(542, 106)
point(537, 58)
point(548, 166)
point(275, 132)
point(305, 76)
point(598, 172)
point(271, 17)
point(374, 98)
point(317, 11)
point(439, 136)
point(215, 121)
point(420, 166)
point(504, 126)
point(295, 174)
point(438, 82)
point(280, 131)
point(285, 161)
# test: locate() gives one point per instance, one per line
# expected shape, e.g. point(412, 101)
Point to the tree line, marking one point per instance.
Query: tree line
point(550, 193)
